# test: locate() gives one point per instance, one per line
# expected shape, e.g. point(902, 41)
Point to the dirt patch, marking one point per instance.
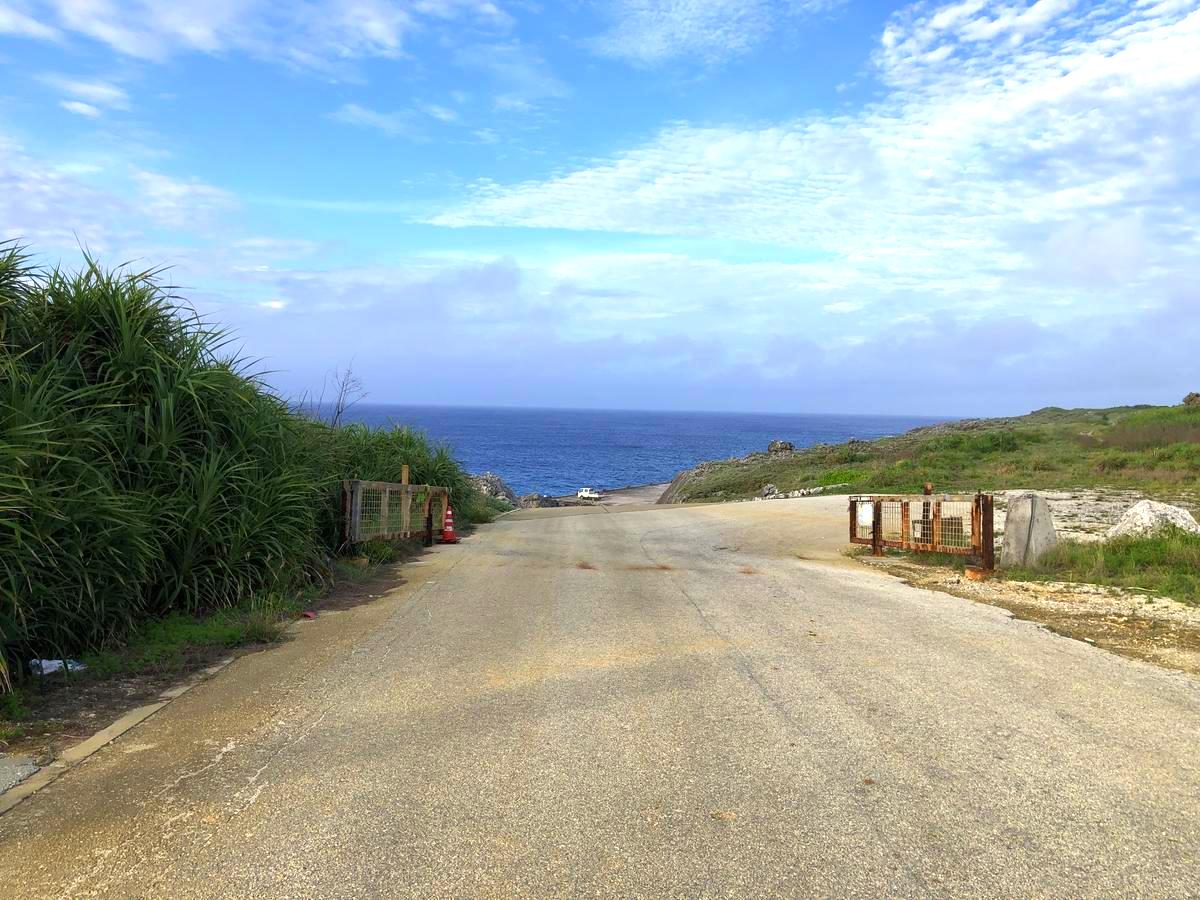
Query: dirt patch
point(650, 567)
point(748, 570)
point(585, 565)
point(1153, 629)
point(64, 711)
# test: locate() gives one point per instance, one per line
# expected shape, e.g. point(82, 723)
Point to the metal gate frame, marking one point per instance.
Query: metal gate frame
point(929, 539)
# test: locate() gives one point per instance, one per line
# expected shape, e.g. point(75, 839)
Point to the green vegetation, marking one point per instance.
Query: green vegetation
point(1167, 563)
point(147, 476)
point(1156, 449)
point(168, 644)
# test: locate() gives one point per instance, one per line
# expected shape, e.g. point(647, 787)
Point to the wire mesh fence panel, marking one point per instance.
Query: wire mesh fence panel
point(394, 523)
point(375, 510)
point(861, 520)
point(920, 529)
point(956, 522)
point(951, 523)
point(370, 515)
point(892, 519)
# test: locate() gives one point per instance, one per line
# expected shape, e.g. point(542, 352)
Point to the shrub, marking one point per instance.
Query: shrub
point(144, 472)
point(1160, 427)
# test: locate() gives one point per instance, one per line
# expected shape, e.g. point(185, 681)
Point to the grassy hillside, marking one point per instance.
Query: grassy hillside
point(144, 473)
point(1156, 449)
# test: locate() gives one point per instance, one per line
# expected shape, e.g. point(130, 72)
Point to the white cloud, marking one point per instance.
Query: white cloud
point(153, 30)
point(518, 74)
point(87, 98)
point(843, 306)
point(180, 203)
point(101, 93)
point(17, 21)
point(980, 165)
point(319, 34)
point(666, 330)
point(393, 124)
point(80, 108)
point(648, 32)
point(441, 113)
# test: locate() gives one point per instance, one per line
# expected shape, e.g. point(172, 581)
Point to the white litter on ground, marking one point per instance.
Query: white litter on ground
point(50, 666)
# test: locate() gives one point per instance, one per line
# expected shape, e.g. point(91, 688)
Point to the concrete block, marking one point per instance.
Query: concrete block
point(14, 770)
point(1028, 531)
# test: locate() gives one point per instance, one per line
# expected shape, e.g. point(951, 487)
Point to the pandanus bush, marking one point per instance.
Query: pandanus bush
point(144, 470)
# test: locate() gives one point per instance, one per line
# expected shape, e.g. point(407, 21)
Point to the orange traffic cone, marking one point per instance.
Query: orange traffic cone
point(448, 535)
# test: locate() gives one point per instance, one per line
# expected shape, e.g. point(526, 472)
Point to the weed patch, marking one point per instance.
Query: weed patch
point(1167, 564)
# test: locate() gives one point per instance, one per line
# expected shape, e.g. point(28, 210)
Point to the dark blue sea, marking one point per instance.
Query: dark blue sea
point(558, 451)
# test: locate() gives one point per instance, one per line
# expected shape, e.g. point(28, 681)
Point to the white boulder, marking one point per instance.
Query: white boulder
point(1149, 516)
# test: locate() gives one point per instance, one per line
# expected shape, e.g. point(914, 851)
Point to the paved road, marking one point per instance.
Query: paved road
point(645, 703)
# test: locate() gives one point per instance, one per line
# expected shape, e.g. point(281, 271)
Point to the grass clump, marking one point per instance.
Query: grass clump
point(1152, 449)
point(1166, 563)
point(146, 475)
point(168, 644)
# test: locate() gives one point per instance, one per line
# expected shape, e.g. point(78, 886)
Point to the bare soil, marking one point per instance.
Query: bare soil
point(1154, 629)
point(65, 711)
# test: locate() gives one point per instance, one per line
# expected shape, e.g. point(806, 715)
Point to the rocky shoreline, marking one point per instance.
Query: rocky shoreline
point(494, 487)
point(775, 450)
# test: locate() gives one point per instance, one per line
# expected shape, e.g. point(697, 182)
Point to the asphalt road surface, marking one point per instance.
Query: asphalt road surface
point(670, 702)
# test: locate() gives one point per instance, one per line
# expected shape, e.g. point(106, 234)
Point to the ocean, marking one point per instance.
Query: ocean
point(558, 451)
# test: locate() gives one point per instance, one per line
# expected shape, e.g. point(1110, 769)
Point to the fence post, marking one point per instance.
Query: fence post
point(345, 524)
point(853, 518)
point(987, 526)
point(905, 525)
point(877, 529)
point(355, 511)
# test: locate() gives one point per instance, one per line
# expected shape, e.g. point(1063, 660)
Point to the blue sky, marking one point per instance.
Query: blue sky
point(792, 205)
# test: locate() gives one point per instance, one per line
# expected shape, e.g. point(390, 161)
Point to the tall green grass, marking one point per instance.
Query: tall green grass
point(1166, 563)
point(144, 471)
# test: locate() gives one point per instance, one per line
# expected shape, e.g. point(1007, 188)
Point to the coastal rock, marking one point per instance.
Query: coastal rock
point(1192, 399)
point(1149, 516)
point(538, 501)
point(1028, 531)
point(492, 485)
point(781, 447)
point(776, 494)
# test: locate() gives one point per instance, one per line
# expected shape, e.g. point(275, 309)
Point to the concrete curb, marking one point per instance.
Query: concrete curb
point(73, 756)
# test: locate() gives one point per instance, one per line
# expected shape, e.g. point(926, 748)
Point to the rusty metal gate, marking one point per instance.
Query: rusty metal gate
point(384, 511)
point(947, 523)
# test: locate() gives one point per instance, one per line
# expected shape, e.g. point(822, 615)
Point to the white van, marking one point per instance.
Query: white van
point(587, 494)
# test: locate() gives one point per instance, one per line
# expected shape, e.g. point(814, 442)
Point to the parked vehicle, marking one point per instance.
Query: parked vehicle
point(587, 493)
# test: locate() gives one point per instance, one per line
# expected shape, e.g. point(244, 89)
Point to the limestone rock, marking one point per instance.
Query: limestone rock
point(768, 490)
point(781, 447)
point(492, 485)
point(538, 501)
point(1149, 516)
point(1192, 399)
point(1028, 531)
